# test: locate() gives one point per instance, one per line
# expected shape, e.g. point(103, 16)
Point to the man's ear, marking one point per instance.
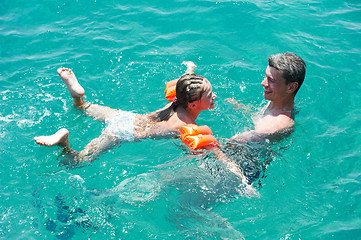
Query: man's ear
point(292, 87)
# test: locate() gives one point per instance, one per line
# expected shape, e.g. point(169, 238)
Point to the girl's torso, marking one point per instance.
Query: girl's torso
point(145, 126)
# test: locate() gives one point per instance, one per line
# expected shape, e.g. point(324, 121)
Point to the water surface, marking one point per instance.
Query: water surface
point(123, 53)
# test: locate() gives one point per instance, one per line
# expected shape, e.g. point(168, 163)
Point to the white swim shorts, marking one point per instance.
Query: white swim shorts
point(121, 125)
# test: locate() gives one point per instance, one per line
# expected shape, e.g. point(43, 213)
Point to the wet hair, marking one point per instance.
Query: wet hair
point(190, 88)
point(293, 68)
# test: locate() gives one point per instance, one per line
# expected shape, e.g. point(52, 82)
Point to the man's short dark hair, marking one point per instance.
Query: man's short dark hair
point(292, 66)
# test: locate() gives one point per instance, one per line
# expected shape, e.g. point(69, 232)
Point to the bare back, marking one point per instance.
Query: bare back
point(145, 126)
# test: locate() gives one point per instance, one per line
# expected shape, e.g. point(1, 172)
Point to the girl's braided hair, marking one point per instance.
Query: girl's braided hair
point(190, 88)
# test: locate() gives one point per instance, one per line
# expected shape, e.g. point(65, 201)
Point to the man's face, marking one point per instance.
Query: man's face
point(275, 87)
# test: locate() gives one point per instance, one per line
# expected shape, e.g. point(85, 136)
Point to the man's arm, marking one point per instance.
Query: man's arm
point(267, 127)
point(231, 165)
point(249, 136)
point(249, 190)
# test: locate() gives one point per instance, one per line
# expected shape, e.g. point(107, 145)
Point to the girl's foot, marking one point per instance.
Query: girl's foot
point(72, 84)
point(58, 138)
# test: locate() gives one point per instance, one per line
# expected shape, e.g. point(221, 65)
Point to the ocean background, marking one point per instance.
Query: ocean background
point(123, 52)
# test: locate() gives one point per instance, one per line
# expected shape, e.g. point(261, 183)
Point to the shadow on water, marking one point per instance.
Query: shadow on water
point(67, 220)
point(184, 193)
point(62, 215)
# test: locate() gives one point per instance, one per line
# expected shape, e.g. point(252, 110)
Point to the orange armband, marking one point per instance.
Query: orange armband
point(170, 90)
point(197, 137)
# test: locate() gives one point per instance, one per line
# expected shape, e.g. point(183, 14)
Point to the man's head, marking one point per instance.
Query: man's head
point(292, 67)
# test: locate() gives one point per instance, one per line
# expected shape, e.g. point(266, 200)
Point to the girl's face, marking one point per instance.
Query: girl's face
point(207, 99)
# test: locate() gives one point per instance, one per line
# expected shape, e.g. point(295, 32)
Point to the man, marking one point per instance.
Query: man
point(284, 76)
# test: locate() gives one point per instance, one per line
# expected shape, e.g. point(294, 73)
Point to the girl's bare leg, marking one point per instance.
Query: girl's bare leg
point(91, 151)
point(97, 146)
point(98, 112)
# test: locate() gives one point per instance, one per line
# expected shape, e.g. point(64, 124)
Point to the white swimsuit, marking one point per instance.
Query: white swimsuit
point(121, 125)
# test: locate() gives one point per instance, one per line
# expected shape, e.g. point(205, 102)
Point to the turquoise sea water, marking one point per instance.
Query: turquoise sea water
point(123, 52)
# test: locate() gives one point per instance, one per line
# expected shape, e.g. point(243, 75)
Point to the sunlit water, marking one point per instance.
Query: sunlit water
point(123, 52)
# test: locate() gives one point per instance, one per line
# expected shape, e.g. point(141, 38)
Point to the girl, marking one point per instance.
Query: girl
point(193, 95)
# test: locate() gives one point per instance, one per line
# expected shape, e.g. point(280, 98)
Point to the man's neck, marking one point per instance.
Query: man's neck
point(276, 108)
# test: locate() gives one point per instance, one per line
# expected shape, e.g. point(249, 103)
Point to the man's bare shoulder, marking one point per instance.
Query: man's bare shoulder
point(271, 124)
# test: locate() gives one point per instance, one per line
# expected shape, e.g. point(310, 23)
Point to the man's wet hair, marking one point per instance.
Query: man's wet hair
point(293, 68)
